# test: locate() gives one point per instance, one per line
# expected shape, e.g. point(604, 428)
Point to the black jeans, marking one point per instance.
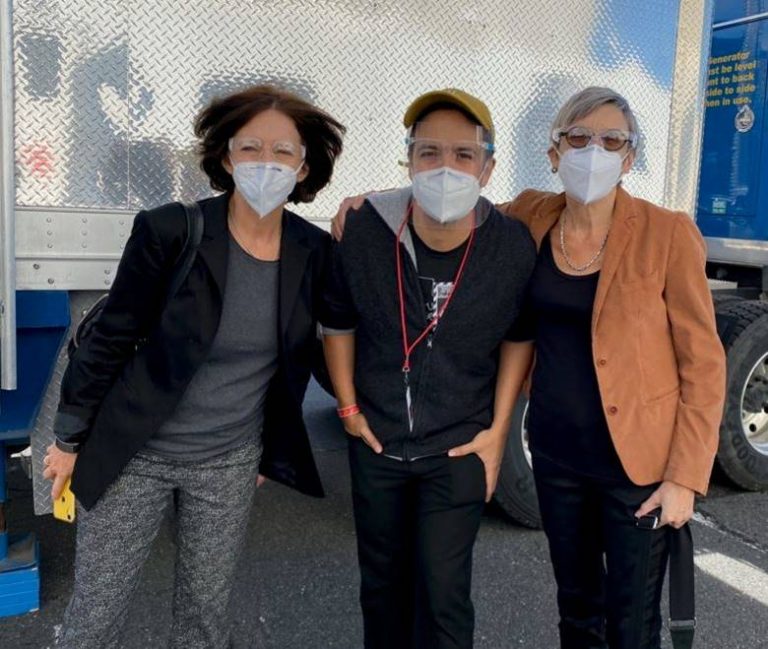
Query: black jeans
point(416, 526)
point(609, 572)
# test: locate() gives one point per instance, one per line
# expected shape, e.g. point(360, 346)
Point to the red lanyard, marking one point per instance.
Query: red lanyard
point(408, 349)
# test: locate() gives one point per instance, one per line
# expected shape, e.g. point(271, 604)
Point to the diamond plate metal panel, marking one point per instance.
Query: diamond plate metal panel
point(71, 70)
point(41, 437)
point(686, 114)
point(106, 91)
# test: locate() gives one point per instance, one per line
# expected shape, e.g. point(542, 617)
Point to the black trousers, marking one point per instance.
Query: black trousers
point(416, 526)
point(609, 572)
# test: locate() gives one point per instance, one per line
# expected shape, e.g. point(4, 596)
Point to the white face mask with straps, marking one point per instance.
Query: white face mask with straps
point(264, 185)
point(446, 194)
point(590, 174)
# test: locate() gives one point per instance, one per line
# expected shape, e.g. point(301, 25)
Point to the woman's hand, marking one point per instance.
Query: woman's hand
point(676, 504)
point(350, 203)
point(357, 426)
point(58, 466)
point(260, 480)
point(489, 446)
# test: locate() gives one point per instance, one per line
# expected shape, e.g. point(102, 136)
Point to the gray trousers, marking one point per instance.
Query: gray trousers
point(114, 540)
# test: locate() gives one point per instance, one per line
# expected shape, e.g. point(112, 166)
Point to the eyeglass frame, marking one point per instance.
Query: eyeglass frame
point(302, 148)
point(630, 137)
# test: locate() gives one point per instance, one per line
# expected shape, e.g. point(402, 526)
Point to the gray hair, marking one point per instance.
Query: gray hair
point(590, 99)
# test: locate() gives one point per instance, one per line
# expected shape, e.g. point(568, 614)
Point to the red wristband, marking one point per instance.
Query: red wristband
point(348, 411)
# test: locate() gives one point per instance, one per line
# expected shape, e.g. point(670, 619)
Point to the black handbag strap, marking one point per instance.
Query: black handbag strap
point(195, 226)
point(682, 595)
point(181, 268)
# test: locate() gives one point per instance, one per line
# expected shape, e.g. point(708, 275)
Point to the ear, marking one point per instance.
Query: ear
point(628, 162)
point(485, 177)
point(227, 164)
point(554, 158)
point(303, 172)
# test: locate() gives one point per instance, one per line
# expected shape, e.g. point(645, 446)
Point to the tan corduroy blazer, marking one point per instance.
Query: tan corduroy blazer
point(659, 362)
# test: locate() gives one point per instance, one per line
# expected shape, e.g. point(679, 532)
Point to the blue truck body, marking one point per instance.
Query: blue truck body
point(732, 201)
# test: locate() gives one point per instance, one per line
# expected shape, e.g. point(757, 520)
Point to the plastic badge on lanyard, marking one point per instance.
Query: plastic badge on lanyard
point(408, 349)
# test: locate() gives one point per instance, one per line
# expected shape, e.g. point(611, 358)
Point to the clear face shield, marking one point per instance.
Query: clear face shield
point(447, 174)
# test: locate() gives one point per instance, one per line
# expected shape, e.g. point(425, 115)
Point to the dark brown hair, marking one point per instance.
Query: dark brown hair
point(320, 133)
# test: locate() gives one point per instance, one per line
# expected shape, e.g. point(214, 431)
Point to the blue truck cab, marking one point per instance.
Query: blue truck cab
point(732, 214)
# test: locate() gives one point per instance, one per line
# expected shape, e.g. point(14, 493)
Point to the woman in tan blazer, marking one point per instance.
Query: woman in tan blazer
point(629, 382)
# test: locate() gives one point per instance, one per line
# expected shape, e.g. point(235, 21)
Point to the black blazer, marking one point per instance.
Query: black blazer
point(127, 379)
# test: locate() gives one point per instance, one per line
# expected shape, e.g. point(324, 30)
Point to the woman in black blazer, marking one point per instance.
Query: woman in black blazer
point(187, 398)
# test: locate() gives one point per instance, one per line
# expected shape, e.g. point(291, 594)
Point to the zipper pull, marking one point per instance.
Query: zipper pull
point(408, 402)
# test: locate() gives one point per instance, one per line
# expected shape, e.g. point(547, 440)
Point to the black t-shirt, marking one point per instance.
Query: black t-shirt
point(566, 421)
point(437, 272)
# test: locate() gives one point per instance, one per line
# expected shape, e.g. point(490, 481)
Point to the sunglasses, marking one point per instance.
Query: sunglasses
point(579, 136)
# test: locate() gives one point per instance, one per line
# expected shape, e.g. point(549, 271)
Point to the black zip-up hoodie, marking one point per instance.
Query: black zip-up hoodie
point(453, 379)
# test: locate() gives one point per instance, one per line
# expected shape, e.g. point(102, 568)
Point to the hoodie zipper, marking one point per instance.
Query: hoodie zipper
point(410, 403)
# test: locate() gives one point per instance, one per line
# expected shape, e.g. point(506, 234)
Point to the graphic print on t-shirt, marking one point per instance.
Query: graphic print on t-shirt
point(437, 272)
point(435, 294)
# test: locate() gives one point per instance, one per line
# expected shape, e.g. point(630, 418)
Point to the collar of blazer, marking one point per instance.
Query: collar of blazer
point(624, 214)
point(294, 252)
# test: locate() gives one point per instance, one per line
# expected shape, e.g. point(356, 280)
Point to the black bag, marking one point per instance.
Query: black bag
point(180, 271)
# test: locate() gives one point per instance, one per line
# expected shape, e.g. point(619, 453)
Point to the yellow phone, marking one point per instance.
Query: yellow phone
point(64, 505)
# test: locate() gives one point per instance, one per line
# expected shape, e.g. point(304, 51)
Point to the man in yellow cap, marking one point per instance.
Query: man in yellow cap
point(427, 358)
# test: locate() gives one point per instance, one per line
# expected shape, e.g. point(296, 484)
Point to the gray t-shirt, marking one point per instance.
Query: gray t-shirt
point(223, 406)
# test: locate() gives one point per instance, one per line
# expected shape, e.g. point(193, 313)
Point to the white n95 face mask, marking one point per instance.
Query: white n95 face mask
point(264, 185)
point(446, 194)
point(589, 174)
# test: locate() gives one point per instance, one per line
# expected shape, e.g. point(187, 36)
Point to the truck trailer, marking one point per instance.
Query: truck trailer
point(98, 100)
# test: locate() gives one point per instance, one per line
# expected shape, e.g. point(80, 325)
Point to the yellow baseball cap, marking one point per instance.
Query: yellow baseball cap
point(454, 96)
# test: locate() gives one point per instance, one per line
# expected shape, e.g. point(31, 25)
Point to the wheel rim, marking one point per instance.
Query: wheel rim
point(754, 406)
point(524, 435)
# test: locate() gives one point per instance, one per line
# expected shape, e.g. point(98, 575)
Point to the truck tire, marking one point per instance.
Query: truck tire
point(743, 448)
point(516, 490)
point(721, 299)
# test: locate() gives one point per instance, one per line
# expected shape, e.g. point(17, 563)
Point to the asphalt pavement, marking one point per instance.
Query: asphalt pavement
point(297, 581)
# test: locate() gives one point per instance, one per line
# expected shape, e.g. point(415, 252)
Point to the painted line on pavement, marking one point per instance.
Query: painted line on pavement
point(739, 575)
